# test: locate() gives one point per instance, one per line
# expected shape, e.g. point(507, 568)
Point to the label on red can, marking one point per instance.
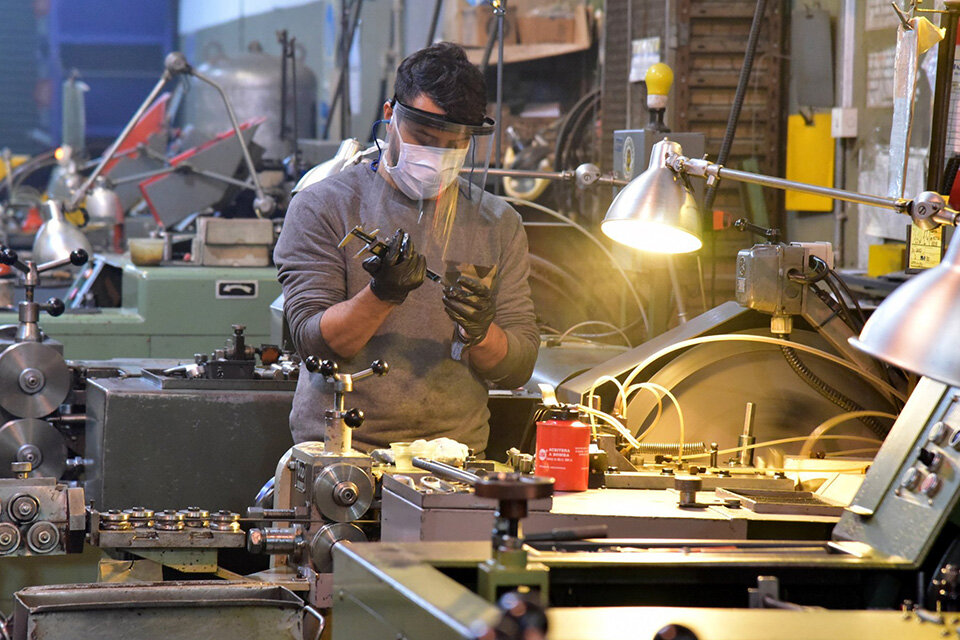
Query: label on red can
point(563, 453)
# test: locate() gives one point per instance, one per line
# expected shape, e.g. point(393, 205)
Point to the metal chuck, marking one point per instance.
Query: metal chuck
point(34, 379)
point(343, 492)
point(321, 547)
point(35, 441)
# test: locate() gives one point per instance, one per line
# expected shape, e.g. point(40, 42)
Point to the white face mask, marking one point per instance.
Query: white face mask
point(421, 172)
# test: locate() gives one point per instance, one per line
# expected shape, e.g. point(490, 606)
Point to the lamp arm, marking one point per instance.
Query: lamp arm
point(712, 172)
point(79, 194)
point(263, 204)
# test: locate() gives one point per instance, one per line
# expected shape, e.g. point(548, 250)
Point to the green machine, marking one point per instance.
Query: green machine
point(118, 309)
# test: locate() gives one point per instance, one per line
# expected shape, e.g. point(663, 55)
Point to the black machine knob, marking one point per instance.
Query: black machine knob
point(54, 306)
point(328, 368)
point(931, 459)
point(380, 367)
point(8, 256)
point(353, 418)
point(312, 363)
point(78, 257)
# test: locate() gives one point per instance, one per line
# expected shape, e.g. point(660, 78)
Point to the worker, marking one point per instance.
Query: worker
point(446, 343)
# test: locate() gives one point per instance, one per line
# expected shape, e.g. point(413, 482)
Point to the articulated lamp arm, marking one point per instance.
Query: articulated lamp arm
point(929, 210)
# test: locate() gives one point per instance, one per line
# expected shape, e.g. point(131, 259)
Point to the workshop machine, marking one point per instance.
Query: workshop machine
point(892, 551)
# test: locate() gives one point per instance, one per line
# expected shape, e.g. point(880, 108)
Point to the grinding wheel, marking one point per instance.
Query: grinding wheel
point(34, 441)
point(34, 380)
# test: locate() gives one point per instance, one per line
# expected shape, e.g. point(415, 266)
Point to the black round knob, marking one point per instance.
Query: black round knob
point(55, 307)
point(353, 418)
point(328, 368)
point(8, 256)
point(312, 363)
point(380, 367)
point(78, 257)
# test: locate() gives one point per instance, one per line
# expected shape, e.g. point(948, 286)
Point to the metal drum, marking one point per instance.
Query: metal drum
point(253, 82)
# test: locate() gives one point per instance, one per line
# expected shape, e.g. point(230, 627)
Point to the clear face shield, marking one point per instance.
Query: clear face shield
point(439, 165)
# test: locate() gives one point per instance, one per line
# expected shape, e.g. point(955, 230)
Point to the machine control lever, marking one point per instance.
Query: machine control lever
point(29, 309)
point(340, 420)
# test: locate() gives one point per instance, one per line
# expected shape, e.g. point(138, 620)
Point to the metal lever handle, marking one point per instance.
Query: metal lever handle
point(773, 235)
point(54, 306)
point(330, 369)
point(77, 257)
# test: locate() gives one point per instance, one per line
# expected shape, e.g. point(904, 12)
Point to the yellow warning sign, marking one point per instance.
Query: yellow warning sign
point(926, 248)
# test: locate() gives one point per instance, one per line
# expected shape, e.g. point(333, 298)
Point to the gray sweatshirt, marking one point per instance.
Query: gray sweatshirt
point(426, 394)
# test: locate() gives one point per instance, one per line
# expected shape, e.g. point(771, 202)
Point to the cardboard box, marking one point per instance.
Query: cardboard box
point(475, 22)
point(553, 27)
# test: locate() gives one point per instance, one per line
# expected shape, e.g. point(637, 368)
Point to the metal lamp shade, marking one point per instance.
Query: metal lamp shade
point(918, 326)
point(655, 212)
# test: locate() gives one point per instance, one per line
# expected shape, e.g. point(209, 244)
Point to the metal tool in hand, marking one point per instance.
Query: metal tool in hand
point(377, 247)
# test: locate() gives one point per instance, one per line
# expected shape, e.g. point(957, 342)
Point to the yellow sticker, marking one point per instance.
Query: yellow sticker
point(926, 248)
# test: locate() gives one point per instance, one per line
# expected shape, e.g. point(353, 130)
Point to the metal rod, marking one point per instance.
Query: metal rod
point(677, 293)
point(434, 21)
point(247, 158)
point(342, 84)
point(137, 177)
point(732, 120)
point(79, 194)
point(559, 176)
point(941, 98)
point(897, 204)
point(445, 470)
point(500, 8)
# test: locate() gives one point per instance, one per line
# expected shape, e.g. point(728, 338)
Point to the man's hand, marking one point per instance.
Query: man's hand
point(398, 272)
point(470, 304)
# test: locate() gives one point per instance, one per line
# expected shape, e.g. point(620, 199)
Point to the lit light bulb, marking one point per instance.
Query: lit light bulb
point(659, 79)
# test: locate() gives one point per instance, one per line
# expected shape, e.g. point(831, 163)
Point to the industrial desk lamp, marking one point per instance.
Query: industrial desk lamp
point(917, 327)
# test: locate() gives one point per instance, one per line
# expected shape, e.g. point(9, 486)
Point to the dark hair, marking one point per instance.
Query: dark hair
point(443, 72)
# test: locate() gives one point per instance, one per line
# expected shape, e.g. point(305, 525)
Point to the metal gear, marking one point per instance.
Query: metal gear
point(34, 441)
point(321, 547)
point(9, 538)
point(342, 492)
point(34, 379)
point(43, 537)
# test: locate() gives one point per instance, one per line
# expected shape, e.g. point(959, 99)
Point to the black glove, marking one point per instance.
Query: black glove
point(398, 272)
point(470, 304)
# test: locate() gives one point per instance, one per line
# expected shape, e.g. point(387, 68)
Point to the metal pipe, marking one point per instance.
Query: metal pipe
point(79, 194)
point(445, 470)
point(677, 294)
point(559, 176)
point(434, 20)
point(500, 9)
point(247, 158)
point(897, 204)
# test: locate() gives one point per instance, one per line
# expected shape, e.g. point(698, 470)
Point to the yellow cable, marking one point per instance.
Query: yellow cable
point(616, 424)
point(830, 423)
point(652, 386)
point(770, 443)
point(880, 384)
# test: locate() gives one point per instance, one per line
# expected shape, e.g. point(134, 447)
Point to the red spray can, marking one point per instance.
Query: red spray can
point(563, 449)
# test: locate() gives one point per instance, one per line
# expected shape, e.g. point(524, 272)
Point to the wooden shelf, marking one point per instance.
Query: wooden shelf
point(524, 52)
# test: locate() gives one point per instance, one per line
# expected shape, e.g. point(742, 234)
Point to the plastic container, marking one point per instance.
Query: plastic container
point(402, 456)
point(563, 450)
point(146, 251)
